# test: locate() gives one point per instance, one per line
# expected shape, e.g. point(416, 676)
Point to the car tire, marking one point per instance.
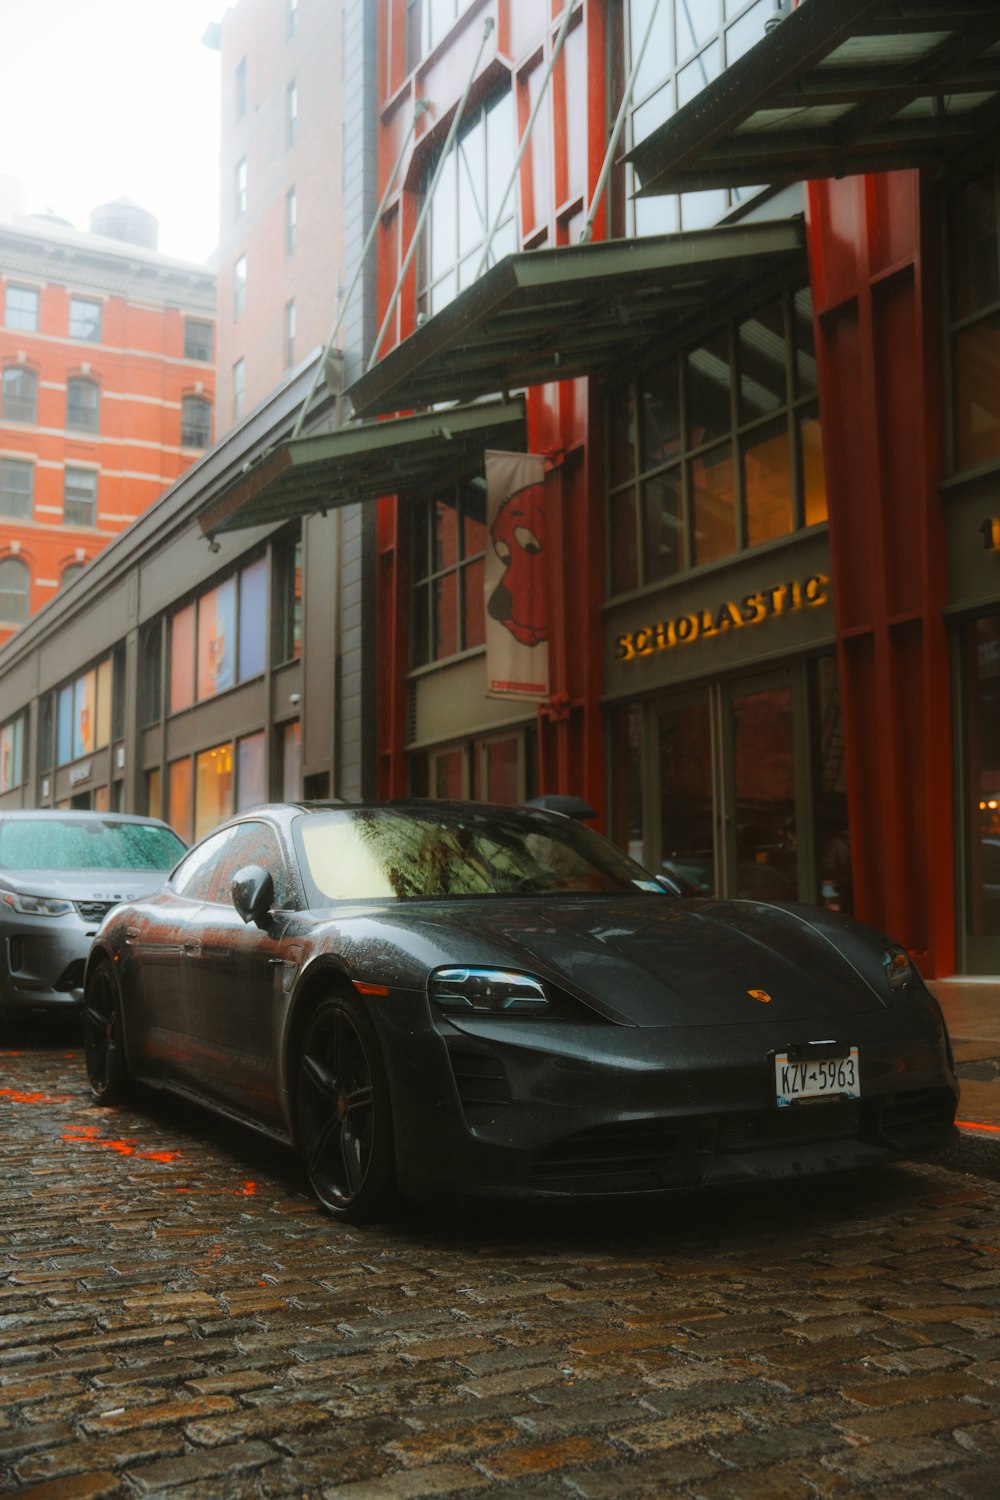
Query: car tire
point(343, 1113)
point(103, 1036)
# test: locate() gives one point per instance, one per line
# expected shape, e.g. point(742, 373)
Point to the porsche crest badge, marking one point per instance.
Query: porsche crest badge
point(760, 995)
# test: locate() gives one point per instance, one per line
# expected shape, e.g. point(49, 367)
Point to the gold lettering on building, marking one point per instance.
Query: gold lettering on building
point(752, 609)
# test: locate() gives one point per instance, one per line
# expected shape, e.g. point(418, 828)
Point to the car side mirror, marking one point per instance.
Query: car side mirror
point(674, 884)
point(252, 890)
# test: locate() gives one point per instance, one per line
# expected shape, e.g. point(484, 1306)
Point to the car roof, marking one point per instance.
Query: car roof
point(76, 815)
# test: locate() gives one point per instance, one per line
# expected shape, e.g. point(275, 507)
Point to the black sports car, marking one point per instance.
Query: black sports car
point(456, 997)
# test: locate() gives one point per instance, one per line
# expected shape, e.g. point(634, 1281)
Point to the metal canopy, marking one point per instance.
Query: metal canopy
point(838, 88)
point(580, 310)
point(362, 462)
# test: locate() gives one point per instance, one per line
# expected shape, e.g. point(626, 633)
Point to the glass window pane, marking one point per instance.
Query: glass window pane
point(65, 726)
point(19, 395)
point(179, 774)
point(803, 337)
point(213, 788)
point(472, 224)
point(624, 543)
point(686, 837)
point(764, 785)
point(251, 780)
point(444, 219)
point(977, 393)
point(253, 620)
point(445, 616)
point(445, 532)
point(182, 660)
point(448, 774)
point(714, 506)
point(16, 486)
point(708, 377)
point(982, 693)
point(697, 20)
point(693, 78)
point(500, 152)
point(103, 703)
point(767, 483)
point(748, 30)
point(761, 342)
point(84, 714)
point(216, 639)
point(22, 308)
point(662, 526)
point(813, 476)
point(621, 434)
point(660, 416)
point(658, 58)
point(474, 604)
point(702, 210)
point(84, 319)
point(975, 268)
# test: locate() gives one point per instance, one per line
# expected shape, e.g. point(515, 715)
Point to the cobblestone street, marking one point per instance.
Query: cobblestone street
point(178, 1319)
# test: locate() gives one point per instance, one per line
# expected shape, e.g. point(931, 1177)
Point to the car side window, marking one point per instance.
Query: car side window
point(255, 844)
point(197, 876)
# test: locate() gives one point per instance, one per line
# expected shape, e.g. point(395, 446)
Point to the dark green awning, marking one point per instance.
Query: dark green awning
point(839, 87)
point(577, 310)
point(362, 462)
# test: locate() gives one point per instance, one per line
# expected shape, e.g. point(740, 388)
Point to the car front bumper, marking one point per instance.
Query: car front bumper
point(42, 961)
point(512, 1109)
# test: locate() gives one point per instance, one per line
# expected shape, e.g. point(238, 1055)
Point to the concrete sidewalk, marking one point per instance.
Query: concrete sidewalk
point(972, 1010)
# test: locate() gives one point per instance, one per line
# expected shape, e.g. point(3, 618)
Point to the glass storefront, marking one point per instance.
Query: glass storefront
point(737, 786)
point(980, 643)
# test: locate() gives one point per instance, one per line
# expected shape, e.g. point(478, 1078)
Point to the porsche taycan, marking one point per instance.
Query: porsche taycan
point(434, 998)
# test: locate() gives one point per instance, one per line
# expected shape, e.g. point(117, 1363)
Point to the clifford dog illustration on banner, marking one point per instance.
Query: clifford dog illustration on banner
point(515, 581)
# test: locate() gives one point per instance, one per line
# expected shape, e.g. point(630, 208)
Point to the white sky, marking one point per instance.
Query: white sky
point(101, 99)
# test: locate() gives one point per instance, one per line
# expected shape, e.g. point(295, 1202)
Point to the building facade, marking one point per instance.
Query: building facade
point(281, 231)
point(108, 391)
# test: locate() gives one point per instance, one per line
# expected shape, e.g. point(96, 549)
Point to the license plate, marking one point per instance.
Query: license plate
point(822, 1078)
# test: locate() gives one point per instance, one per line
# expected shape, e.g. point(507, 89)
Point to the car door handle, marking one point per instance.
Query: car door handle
point(192, 950)
point(132, 934)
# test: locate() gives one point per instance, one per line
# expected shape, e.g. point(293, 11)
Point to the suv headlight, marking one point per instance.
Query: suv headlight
point(501, 992)
point(896, 966)
point(36, 906)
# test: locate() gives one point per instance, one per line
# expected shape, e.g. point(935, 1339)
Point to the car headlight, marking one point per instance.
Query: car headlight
point(36, 906)
point(487, 991)
point(896, 966)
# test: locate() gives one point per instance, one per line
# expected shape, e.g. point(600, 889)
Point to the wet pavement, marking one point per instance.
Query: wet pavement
point(177, 1319)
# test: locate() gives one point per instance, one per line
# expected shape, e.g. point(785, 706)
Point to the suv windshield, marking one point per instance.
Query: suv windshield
point(68, 844)
point(363, 854)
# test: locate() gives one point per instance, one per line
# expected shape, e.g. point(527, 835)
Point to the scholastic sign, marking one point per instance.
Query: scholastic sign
point(741, 614)
point(515, 577)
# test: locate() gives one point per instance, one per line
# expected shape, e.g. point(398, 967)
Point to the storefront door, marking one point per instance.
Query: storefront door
point(979, 885)
point(743, 784)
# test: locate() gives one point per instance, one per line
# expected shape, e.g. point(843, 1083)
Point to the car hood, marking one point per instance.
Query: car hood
point(656, 962)
point(84, 885)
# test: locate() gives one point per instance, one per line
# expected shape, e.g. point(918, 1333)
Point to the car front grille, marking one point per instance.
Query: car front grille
point(626, 1147)
point(480, 1077)
point(93, 911)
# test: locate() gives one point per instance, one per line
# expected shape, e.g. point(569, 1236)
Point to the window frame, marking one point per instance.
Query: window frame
point(76, 500)
point(9, 467)
point(77, 384)
point(14, 407)
point(426, 578)
point(85, 320)
point(22, 321)
point(195, 341)
point(959, 325)
point(7, 562)
point(196, 435)
point(239, 286)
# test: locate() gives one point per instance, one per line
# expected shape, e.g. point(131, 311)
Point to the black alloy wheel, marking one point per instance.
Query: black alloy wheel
point(103, 1041)
point(343, 1112)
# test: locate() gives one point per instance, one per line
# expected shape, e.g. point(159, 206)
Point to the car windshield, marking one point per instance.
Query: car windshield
point(71, 844)
point(362, 854)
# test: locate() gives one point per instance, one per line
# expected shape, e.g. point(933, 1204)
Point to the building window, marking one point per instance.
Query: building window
point(196, 422)
point(427, 22)
point(14, 584)
point(12, 754)
point(975, 320)
point(291, 761)
point(198, 340)
point(465, 204)
point(252, 657)
point(238, 389)
point(17, 480)
point(449, 543)
point(211, 646)
point(251, 769)
point(22, 308)
point(239, 286)
point(289, 334)
point(71, 571)
point(288, 600)
point(213, 794)
point(241, 187)
point(85, 319)
point(84, 713)
point(292, 113)
point(499, 769)
point(179, 787)
point(241, 88)
point(691, 44)
point(82, 399)
point(20, 393)
point(717, 449)
point(80, 497)
point(291, 221)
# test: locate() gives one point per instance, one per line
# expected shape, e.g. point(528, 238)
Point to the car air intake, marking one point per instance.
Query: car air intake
point(632, 1146)
point(915, 1118)
point(480, 1078)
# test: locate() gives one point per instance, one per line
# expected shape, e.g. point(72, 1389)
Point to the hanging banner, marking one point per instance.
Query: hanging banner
point(516, 577)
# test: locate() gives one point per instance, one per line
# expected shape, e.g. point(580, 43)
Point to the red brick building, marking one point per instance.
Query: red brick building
point(107, 396)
